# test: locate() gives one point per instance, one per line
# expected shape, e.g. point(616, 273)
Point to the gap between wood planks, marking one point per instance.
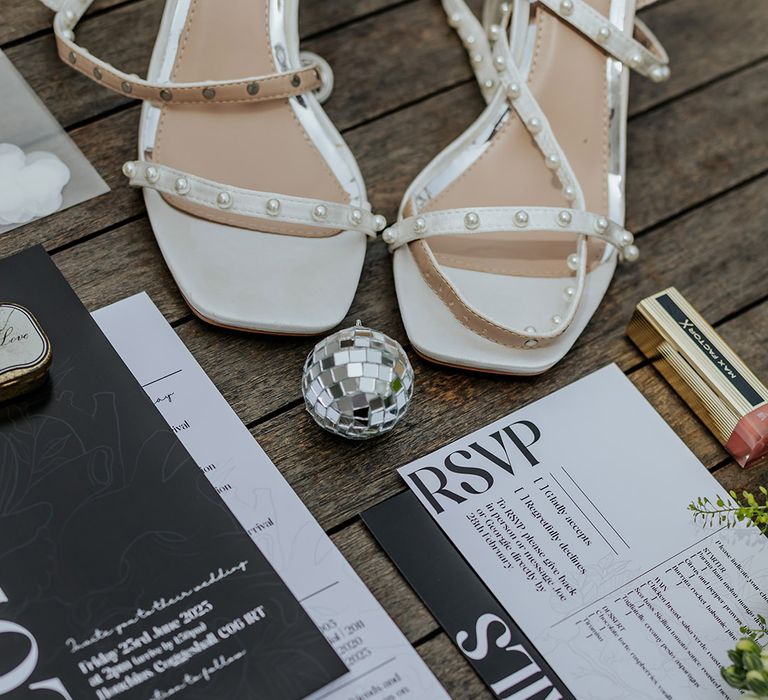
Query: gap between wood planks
point(38, 33)
point(98, 12)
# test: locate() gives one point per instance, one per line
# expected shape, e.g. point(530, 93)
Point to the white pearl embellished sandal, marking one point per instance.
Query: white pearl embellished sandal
point(256, 202)
point(508, 240)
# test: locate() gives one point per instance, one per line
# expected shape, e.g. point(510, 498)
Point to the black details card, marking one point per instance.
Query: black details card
point(122, 572)
point(489, 639)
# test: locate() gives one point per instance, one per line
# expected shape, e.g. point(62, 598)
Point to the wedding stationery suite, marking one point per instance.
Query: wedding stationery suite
point(122, 574)
point(573, 513)
point(382, 664)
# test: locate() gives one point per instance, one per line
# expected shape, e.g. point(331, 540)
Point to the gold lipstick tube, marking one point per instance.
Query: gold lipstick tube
point(705, 371)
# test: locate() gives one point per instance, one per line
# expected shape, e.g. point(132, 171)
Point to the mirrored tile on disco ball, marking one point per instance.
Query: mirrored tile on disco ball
point(357, 383)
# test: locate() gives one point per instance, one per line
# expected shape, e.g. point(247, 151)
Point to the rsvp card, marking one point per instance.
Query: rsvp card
point(122, 572)
point(573, 513)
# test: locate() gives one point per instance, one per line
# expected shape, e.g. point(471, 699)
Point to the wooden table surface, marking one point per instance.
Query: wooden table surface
point(697, 198)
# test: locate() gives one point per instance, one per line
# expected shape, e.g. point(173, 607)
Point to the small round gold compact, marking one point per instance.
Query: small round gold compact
point(25, 352)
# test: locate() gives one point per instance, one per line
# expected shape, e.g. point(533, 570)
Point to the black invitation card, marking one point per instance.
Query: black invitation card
point(122, 572)
point(491, 641)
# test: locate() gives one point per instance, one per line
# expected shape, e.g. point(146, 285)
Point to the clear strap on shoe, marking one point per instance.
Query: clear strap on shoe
point(248, 89)
point(251, 203)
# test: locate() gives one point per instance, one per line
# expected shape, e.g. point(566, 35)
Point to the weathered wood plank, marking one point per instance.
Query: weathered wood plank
point(120, 264)
point(320, 16)
point(416, 53)
point(434, 59)
point(667, 175)
point(452, 670)
point(382, 578)
point(704, 39)
point(20, 18)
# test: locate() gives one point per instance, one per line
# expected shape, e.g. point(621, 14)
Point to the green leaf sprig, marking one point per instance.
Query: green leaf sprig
point(746, 508)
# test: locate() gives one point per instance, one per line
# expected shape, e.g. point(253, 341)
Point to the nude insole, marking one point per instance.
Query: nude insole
point(568, 78)
point(259, 146)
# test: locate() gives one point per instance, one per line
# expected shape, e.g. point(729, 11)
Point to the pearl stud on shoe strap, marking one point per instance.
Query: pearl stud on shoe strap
point(525, 105)
point(258, 205)
point(456, 222)
point(476, 42)
point(646, 56)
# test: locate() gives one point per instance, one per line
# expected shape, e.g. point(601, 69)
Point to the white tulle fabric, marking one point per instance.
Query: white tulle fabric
point(31, 184)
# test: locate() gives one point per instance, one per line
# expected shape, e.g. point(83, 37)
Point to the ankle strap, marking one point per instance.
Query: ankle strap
point(646, 55)
point(476, 41)
point(642, 52)
point(249, 89)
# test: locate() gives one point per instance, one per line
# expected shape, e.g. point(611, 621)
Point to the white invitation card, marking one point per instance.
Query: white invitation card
point(574, 513)
point(381, 662)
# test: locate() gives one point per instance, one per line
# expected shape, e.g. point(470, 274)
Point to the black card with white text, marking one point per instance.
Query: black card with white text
point(123, 574)
point(484, 633)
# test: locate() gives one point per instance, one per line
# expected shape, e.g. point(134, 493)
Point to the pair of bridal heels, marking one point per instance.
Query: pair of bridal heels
point(504, 245)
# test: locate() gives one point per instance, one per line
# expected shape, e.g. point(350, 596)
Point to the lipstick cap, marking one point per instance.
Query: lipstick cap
point(705, 371)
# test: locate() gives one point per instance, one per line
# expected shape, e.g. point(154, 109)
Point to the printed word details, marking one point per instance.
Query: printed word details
point(167, 635)
point(573, 512)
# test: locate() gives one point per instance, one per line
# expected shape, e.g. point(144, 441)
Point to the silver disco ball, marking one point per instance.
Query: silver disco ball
point(357, 383)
